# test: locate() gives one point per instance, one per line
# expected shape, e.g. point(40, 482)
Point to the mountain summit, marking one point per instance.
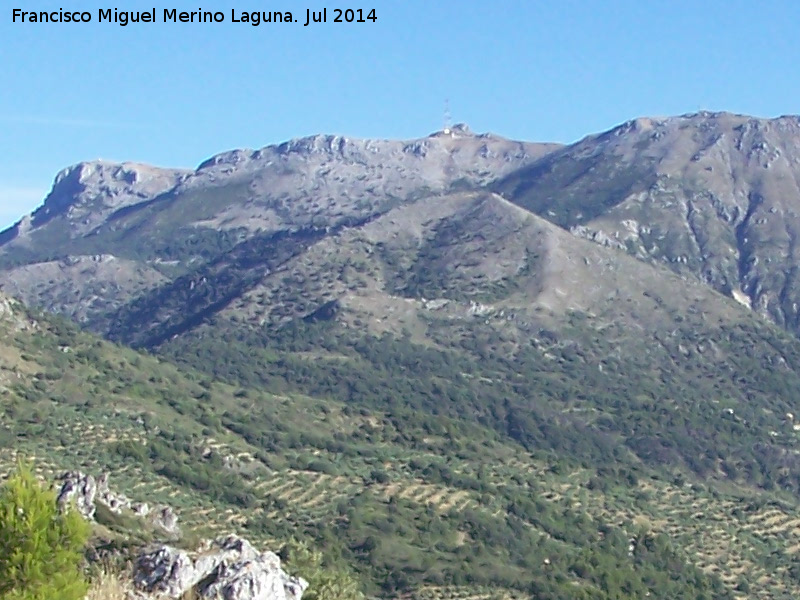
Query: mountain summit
point(715, 195)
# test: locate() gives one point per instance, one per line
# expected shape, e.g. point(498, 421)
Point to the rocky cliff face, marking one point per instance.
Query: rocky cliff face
point(85, 194)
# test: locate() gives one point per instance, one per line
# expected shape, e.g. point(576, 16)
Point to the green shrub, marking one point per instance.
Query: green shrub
point(325, 582)
point(41, 549)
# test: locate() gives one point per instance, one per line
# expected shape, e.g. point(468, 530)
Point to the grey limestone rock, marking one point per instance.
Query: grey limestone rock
point(85, 492)
point(229, 568)
point(78, 490)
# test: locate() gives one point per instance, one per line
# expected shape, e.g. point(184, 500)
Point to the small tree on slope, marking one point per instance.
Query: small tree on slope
point(41, 548)
point(324, 583)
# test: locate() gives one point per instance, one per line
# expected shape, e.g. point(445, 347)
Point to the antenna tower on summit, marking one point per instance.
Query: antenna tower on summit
point(447, 128)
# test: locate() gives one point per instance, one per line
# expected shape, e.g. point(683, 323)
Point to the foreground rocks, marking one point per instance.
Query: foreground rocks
point(86, 492)
point(229, 568)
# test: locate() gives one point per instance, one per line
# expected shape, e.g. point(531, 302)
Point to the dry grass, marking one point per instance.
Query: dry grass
point(109, 585)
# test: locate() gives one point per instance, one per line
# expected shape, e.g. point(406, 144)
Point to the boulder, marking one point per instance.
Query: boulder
point(165, 571)
point(78, 490)
point(165, 518)
point(229, 568)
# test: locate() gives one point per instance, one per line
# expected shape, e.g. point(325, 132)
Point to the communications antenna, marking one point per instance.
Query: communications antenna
point(447, 129)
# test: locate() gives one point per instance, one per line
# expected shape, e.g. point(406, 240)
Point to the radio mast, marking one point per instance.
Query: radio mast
point(447, 128)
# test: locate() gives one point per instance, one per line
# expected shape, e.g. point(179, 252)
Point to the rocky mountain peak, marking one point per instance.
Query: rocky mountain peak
point(699, 126)
point(318, 144)
point(87, 192)
point(457, 130)
point(714, 194)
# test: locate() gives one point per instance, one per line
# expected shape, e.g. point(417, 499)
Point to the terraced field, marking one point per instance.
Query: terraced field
point(733, 536)
point(465, 593)
point(307, 492)
point(84, 446)
point(724, 532)
point(737, 537)
point(272, 466)
point(442, 498)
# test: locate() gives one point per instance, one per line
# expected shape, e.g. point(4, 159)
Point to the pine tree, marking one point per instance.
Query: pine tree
point(41, 548)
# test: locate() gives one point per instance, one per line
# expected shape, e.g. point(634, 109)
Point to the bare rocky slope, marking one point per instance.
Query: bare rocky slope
point(716, 195)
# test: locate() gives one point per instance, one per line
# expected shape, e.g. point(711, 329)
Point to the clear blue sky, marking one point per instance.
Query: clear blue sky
point(173, 95)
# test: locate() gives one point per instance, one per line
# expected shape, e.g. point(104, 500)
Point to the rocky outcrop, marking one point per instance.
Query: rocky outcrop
point(13, 314)
point(80, 491)
point(229, 568)
point(85, 492)
point(87, 193)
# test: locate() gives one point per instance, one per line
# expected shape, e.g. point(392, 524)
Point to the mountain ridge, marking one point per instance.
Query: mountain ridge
point(380, 315)
point(711, 194)
point(118, 180)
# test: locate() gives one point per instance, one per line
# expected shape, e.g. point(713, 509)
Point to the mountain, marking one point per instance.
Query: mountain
point(428, 315)
point(714, 195)
point(126, 227)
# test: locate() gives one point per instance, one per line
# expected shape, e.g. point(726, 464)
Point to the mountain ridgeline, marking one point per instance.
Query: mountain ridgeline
point(621, 312)
point(716, 196)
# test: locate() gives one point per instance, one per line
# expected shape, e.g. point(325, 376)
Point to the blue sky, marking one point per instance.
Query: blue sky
point(174, 94)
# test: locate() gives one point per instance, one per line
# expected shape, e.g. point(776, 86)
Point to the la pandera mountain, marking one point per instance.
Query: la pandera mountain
point(122, 229)
point(618, 314)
